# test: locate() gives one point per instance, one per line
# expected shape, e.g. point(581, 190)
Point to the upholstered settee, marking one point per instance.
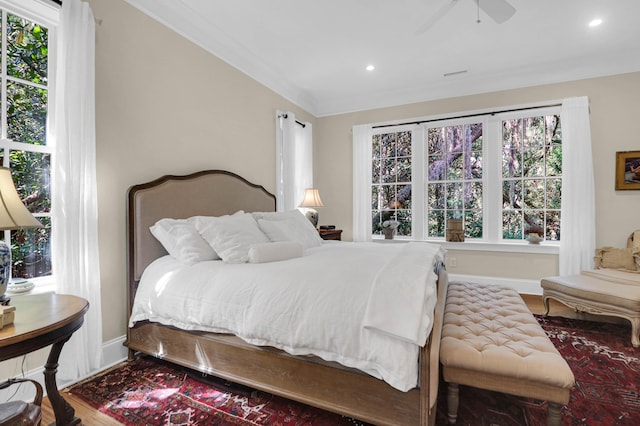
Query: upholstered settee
point(612, 288)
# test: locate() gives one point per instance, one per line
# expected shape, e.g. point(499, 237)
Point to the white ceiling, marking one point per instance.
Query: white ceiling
point(314, 52)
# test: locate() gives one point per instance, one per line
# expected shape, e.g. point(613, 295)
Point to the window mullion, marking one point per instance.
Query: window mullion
point(11, 145)
point(21, 81)
point(492, 180)
point(418, 184)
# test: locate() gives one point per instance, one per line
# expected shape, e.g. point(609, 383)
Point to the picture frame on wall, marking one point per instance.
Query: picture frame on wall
point(627, 170)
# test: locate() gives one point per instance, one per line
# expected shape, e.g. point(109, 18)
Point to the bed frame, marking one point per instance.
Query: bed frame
point(309, 380)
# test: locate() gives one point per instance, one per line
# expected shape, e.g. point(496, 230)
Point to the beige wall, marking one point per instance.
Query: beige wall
point(165, 106)
point(614, 110)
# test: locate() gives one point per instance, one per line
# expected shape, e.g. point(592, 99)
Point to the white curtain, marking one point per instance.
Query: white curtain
point(75, 213)
point(578, 218)
point(361, 183)
point(294, 160)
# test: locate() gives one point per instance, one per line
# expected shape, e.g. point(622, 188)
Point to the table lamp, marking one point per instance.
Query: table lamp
point(311, 199)
point(13, 215)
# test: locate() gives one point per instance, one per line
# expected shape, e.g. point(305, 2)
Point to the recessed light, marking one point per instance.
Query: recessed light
point(595, 22)
point(370, 67)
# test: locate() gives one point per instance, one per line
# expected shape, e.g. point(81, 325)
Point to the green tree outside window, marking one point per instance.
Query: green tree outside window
point(24, 138)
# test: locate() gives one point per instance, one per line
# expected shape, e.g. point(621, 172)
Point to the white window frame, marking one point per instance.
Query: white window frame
point(455, 122)
point(43, 12)
point(47, 14)
point(417, 176)
point(492, 158)
point(494, 199)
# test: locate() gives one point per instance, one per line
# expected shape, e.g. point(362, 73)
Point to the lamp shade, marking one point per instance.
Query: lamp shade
point(311, 198)
point(13, 214)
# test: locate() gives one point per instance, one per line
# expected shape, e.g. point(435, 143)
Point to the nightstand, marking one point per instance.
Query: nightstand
point(331, 234)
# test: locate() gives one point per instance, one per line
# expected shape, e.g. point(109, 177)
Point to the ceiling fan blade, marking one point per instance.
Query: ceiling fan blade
point(444, 9)
point(499, 10)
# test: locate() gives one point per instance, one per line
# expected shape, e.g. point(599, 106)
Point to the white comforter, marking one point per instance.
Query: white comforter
point(365, 305)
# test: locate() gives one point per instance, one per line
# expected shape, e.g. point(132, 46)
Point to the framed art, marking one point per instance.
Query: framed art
point(627, 170)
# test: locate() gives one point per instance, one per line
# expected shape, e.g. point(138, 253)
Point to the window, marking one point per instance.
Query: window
point(501, 174)
point(454, 178)
point(391, 186)
point(531, 176)
point(23, 139)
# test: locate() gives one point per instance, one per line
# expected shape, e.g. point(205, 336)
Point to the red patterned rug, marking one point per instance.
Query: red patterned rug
point(151, 392)
point(607, 391)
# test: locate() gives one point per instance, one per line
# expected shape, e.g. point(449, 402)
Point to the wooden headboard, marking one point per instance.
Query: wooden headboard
point(204, 193)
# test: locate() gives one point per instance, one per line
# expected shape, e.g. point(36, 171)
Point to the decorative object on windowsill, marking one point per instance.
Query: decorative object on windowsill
point(19, 285)
point(13, 215)
point(389, 228)
point(534, 234)
point(310, 201)
point(455, 230)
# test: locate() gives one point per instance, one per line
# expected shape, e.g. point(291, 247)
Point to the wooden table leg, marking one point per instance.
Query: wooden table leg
point(453, 400)
point(65, 414)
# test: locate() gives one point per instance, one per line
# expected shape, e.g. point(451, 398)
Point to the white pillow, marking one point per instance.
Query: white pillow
point(273, 252)
point(289, 214)
point(201, 222)
point(232, 236)
point(300, 228)
point(290, 230)
point(181, 240)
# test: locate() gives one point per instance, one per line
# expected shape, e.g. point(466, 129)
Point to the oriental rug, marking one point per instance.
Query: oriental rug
point(607, 392)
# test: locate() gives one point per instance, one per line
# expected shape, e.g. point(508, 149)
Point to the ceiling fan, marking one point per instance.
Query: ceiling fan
point(498, 10)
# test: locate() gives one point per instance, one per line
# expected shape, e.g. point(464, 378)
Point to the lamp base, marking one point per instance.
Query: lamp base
point(312, 215)
point(5, 270)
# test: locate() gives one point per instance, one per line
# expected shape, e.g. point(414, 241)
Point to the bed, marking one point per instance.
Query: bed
point(323, 383)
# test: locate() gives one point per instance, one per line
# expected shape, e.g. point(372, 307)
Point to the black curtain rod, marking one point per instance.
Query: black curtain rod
point(465, 116)
point(298, 122)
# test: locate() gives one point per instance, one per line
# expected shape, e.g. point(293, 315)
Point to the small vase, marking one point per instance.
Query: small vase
point(388, 234)
point(534, 238)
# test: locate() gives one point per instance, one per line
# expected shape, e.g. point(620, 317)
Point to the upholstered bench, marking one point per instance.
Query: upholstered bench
point(598, 291)
point(490, 340)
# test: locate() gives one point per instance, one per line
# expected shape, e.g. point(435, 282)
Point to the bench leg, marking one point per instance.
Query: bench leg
point(453, 400)
point(635, 332)
point(554, 416)
point(545, 302)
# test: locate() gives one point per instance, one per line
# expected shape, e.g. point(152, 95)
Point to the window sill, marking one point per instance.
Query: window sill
point(515, 247)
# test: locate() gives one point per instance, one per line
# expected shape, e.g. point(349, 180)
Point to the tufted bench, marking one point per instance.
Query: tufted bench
point(490, 340)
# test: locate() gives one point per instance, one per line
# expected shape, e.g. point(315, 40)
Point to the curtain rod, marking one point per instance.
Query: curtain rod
point(298, 122)
point(466, 116)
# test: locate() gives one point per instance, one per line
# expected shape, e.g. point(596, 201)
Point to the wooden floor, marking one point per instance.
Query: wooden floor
point(90, 416)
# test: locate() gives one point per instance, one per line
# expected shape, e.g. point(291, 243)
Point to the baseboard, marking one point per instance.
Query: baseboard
point(520, 285)
point(113, 352)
